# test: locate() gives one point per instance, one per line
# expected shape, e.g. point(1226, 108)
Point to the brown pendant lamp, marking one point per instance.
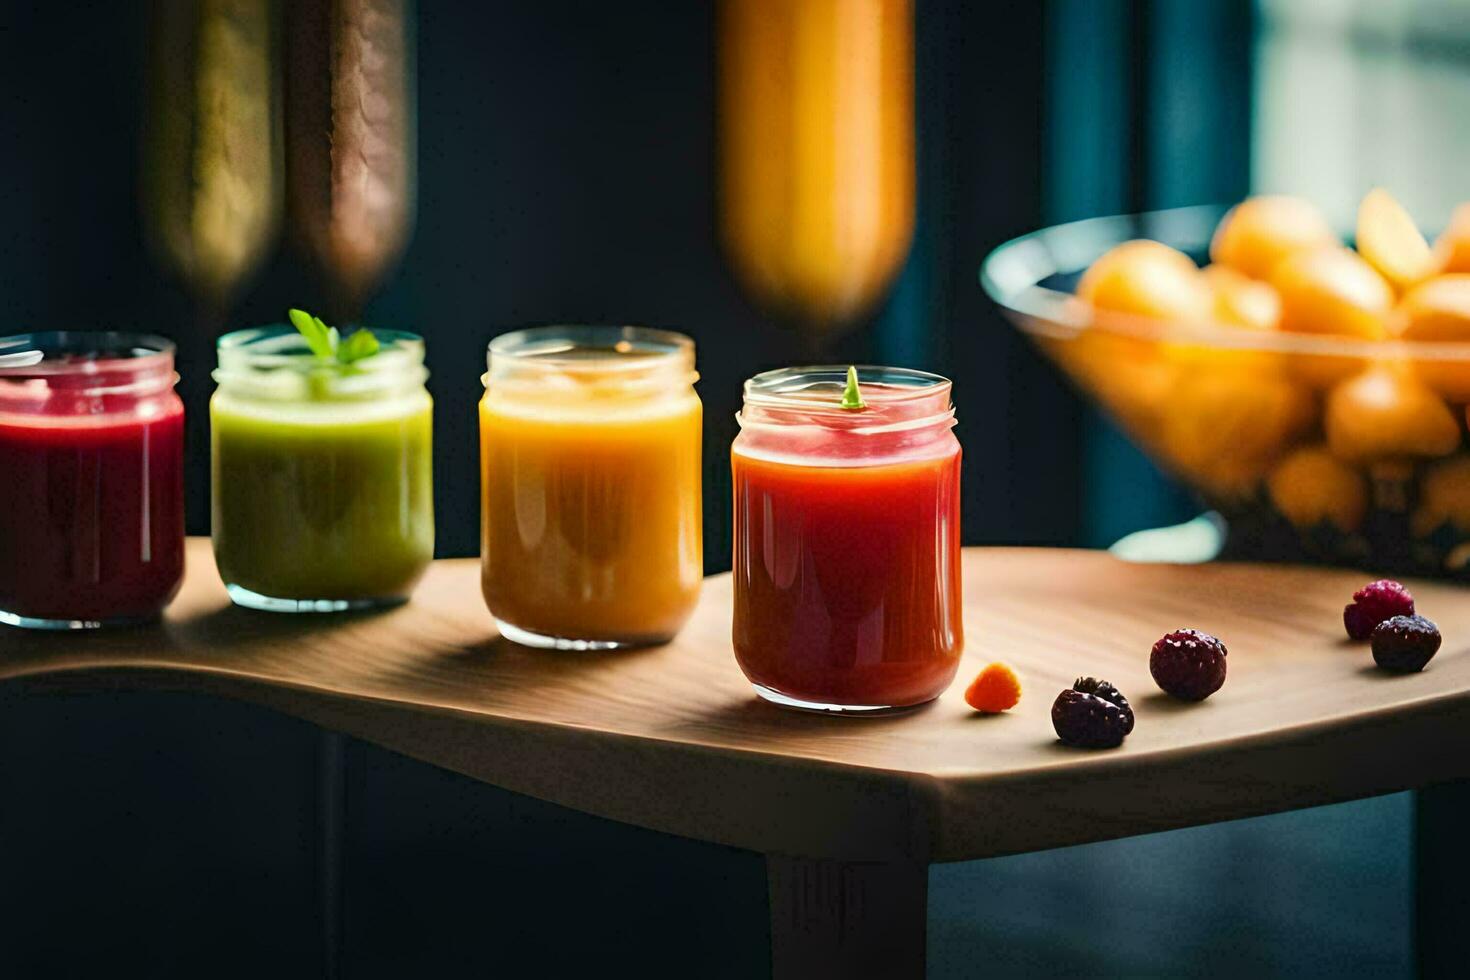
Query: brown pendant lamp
point(351, 141)
point(816, 152)
point(211, 174)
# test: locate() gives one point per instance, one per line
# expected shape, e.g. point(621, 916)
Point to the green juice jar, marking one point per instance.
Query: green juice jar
point(322, 472)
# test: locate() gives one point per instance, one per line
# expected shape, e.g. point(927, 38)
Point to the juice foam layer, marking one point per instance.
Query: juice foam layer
point(578, 408)
point(841, 458)
point(130, 418)
point(323, 413)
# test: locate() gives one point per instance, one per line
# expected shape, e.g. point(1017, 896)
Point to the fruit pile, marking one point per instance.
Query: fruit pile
point(1382, 612)
point(1190, 665)
point(1314, 393)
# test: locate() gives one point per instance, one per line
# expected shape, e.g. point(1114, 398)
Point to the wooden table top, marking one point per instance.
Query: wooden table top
point(672, 738)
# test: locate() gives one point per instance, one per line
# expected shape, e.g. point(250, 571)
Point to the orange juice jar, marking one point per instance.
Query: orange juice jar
point(590, 480)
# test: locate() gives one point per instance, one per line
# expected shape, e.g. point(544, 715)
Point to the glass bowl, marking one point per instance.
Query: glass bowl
point(1312, 447)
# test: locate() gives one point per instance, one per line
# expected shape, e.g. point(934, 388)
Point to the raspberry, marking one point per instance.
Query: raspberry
point(1374, 603)
point(996, 689)
point(1405, 643)
point(1188, 664)
point(1091, 714)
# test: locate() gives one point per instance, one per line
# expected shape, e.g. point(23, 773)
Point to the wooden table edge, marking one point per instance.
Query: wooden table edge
point(905, 815)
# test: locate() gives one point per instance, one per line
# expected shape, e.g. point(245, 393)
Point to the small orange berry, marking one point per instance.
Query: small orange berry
point(996, 689)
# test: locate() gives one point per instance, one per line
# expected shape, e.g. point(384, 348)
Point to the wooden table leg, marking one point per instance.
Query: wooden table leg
point(1441, 870)
point(847, 919)
point(331, 819)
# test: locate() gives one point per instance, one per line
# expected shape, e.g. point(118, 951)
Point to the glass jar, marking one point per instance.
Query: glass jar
point(590, 472)
point(322, 473)
point(92, 495)
point(847, 539)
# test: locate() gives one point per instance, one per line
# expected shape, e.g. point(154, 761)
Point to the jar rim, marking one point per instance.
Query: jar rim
point(791, 387)
point(28, 355)
point(242, 342)
point(275, 363)
point(896, 399)
point(550, 344)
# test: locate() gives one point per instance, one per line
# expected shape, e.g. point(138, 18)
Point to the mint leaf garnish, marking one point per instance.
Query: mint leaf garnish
point(315, 333)
point(852, 395)
point(327, 343)
point(359, 344)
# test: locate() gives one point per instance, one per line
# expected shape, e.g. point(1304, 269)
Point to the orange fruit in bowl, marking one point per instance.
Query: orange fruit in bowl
point(1386, 414)
point(1452, 248)
point(1147, 279)
point(1444, 497)
point(1311, 487)
point(1438, 311)
point(1241, 301)
point(1225, 426)
point(1331, 292)
point(1390, 241)
point(1131, 286)
point(1256, 234)
point(1126, 376)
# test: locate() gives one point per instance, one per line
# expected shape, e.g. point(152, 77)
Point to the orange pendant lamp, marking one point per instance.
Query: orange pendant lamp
point(816, 151)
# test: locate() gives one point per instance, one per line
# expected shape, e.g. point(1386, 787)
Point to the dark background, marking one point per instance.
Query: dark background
point(566, 174)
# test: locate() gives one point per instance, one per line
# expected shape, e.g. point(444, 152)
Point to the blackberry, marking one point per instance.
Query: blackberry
point(1405, 643)
point(1092, 714)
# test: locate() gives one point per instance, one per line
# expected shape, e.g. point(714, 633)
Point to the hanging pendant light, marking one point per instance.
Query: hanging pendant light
point(350, 140)
point(816, 151)
point(211, 186)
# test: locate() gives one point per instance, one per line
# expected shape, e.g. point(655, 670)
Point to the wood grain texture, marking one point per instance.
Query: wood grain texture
point(672, 738)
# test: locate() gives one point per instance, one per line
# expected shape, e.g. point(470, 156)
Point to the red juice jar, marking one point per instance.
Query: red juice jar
point(847, 539)
point(92, 499)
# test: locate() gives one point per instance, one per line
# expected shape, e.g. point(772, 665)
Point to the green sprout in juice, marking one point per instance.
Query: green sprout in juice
point(322, 467)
